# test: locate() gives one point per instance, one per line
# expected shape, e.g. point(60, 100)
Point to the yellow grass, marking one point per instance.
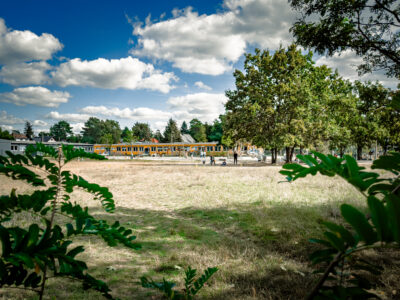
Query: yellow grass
point(240, 219)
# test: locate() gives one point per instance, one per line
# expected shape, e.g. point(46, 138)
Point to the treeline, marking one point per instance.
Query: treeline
point(284, 101)
point(96, 131)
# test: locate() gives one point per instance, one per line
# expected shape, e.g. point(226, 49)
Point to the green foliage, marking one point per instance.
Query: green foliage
point(198, 131)
point(95, 129)
point(171, 132)
point(61, 130)
point(184, 128)
point(366, 27)
point(142, 131)
point(30, 254)
point(28, 131)
point(380, 227)
point(192, 285)
point(4, 134)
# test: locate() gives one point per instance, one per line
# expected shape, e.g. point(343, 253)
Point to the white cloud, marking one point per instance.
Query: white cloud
point(77, 127)
point(7, 127)
point(40, 123)
point(204, 106)
point(6, 119)
point(18, 46)
point(35, 95)
point(140, 113)
point(25, 73)
point(346, 63)
point(128, 73)
point(210, 44)
point(201, 85)
point(54, 115)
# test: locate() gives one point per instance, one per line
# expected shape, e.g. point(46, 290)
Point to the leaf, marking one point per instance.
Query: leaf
point(335, 241)
point(360, 224)
point(379, 218)
point(341, 232)
point(393, 212)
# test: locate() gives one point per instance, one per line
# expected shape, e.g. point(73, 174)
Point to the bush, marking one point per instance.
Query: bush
point(30, 254)
point(379, 228)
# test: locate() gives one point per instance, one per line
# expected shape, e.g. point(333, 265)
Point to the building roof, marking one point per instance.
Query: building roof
point(187, 138)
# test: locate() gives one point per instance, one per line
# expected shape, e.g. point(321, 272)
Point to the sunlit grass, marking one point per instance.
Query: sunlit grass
point(240, 219)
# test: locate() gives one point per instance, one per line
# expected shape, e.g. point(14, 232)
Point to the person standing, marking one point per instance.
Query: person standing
point(235, 157)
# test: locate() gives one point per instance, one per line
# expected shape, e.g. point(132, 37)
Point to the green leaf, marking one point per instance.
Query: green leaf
point(342, 233)
point(5, 242)
point(360, 224)
point(393, 212)
point(379, 218)
point(335, 241)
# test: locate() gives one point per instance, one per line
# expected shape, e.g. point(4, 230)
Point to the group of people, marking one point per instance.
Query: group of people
point(212, 158)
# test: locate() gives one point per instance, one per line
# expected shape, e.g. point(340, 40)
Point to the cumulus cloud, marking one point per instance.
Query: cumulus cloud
point(77, 127)
point(128, 73)
point(18, 46)
point(40, 123)
point(210, 44)
point(6, 119)
point(25, 73)
point(54, 115)
point(35, 95)
point(140, 113)
point(346, 63)
point(201, 85)
point(204, 106)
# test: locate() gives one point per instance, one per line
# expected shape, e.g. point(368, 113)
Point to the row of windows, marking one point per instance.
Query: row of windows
point(163, 149)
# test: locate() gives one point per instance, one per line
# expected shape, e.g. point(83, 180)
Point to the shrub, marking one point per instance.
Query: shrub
point(30, 254)
point(379, 228)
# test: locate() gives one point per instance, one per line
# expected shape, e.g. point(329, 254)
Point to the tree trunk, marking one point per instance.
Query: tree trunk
point(341, 152)
point(287, 149)
point(291, 154)
point(359, 152)
point(385, 148)
point(301, 150)
point(273, 156)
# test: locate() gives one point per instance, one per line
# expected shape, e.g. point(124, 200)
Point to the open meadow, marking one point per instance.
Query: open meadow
point(240, 219)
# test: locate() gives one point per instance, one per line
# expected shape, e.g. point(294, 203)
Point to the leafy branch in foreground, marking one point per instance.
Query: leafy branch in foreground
point(30, 254)
point(192, 285)
point(379, 228)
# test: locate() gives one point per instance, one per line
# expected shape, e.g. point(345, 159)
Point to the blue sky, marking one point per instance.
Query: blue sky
point(131, 61)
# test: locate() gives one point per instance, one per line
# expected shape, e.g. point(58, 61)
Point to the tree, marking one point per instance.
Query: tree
point(198, 131)
point(171, 132)
point(365, 126)
point(125, 132)
point(92, 131)
point(112, 127)
point(142, 131)
point(216, 132)
point(184, 128)
point(366, 27)
point(128, 137)
point(60, 130)
point(4, 134)
point(28, 131)
point(158, 136)
point(276, 103)
point(389, 121)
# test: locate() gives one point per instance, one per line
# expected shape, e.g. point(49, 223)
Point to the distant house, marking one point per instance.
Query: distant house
point(153, 140)
point(44, 139)
point(19, 136)
point(187, 138)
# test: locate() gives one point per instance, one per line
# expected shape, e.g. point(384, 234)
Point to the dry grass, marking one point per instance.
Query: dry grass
point(240, 219)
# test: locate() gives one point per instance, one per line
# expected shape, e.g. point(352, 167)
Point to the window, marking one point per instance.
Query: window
point(141, 149)
point(159, 149)
point(153, 148)
point(118, 148)
point(129, 149)
point(14, 147)
point(123, 149)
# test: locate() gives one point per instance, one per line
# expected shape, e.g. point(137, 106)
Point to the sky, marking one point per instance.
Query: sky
point(135, 61)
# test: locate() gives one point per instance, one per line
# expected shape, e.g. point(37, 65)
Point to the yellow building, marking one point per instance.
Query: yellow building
point(147, 148)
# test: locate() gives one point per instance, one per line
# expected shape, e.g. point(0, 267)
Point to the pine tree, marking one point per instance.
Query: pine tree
point(28, 130)
point(184, 128)
point(172, 133)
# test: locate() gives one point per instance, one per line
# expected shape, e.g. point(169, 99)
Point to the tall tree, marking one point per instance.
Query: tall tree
point(107, 139)
point(158, 136)
point(142, 131)
point(197, 130)
point(366, 128)
point(92, 130)
point(171, 132)
point(216, 132)
point(61, 130)
point(28, 131)
point(112, 127)
point(368, 27)
point(184, 128)
point(274, 99)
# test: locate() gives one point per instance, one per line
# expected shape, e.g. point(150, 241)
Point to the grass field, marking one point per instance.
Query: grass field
point(240, 219)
